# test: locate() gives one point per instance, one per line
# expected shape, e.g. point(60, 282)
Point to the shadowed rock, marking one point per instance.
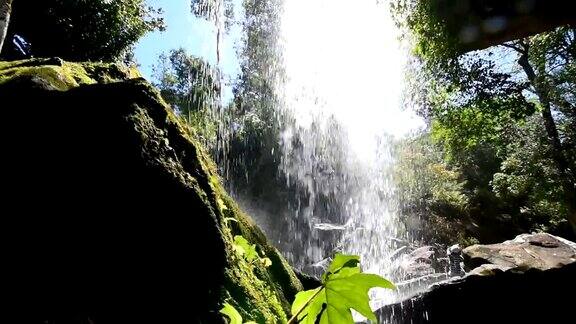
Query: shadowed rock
point(112, 212)
point(478, 24)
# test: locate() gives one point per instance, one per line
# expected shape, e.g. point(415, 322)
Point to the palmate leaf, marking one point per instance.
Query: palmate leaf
point(313, 305)
point(344, 287)
point(342, 261)
point(351, 292)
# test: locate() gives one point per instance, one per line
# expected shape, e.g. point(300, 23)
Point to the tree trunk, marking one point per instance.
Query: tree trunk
point(566, 178)
point(5, 10)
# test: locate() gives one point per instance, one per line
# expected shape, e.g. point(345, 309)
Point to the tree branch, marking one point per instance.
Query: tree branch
point(514, 47)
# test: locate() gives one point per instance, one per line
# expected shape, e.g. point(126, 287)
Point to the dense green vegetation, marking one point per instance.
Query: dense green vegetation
point(498, 157)
point(82, 30)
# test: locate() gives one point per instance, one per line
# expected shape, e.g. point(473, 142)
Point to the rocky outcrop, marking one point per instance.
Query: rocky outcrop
point(113, 212)
point(526, 280)
point(526, 252)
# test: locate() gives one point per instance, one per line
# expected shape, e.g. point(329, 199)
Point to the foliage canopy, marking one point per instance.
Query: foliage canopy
point(83, 30)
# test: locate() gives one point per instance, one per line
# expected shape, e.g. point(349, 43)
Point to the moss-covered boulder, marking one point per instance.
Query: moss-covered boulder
point(113, 212)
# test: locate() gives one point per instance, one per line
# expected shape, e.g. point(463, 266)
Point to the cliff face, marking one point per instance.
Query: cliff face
point(113, 212)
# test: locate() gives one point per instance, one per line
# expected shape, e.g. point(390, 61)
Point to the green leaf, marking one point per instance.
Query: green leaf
point(341, 261)
point(343, 293)
point(302, 299)
point(315, 309)
point(344, 288)
point(232, 313)
point(243, 247)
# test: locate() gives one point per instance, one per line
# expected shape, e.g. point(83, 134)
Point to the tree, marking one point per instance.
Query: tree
point(80, 30)
point(435, 204)
point(5, 10)
point(485, 99)
point(192, 87)
point(543, 55)
point(529, 180)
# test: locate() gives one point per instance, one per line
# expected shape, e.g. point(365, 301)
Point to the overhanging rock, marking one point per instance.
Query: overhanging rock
point(479, 24)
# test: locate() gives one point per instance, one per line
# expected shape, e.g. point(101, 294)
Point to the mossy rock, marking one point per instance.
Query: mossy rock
point(114, 211)
point(55, 74)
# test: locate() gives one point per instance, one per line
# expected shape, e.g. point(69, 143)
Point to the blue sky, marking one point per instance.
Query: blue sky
point(185, 30)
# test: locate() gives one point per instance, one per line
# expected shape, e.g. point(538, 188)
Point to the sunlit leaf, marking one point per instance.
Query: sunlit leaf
point(345, 293)
point(340, 261)
point(232, 313)
point(301, 300)
point(344, 288)
point(244, 248)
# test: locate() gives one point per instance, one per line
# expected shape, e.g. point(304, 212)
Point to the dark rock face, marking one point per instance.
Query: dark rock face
point(478, 24)
point(529, 279)
point(308, 282)
point(111, 210)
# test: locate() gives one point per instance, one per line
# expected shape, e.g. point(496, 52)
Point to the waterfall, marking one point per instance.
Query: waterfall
point(343, 83)
point(327, 75)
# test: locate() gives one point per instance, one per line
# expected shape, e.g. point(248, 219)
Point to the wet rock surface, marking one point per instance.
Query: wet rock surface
point(528, 251)
point(531, 278)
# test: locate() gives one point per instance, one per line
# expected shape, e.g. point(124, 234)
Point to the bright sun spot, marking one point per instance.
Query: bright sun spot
point(344, 58)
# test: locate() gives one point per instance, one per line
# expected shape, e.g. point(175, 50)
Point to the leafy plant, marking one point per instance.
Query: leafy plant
point(233, 315)
point(248, 251)
point(244, 248)
point(344, 287)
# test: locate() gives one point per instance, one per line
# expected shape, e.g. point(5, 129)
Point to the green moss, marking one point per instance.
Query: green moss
point(62, 75)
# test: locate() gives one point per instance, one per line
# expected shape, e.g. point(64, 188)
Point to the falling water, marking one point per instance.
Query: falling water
point(336, 73)
point(344, 75)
